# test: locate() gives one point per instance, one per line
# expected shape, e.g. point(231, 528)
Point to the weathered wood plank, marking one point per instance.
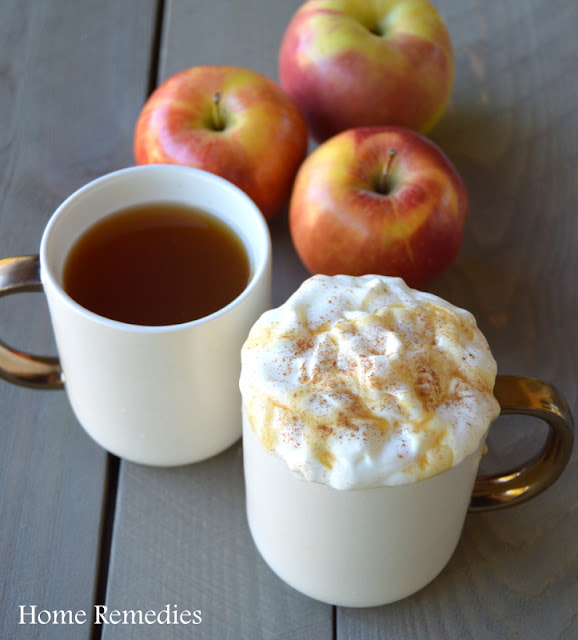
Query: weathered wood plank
point(72, 75)
point(181, 538)
point(181, 535)
point(512, 130)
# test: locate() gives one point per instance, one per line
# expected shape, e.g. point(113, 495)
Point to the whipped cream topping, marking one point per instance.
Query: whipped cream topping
point(362, 382)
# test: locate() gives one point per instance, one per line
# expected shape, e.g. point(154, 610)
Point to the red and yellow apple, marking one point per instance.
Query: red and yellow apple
point(230, 121)
point(349, 64)
point(378, 200)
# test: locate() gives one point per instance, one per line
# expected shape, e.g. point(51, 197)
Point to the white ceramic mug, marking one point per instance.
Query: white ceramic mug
point(369, 547)
point(162, 395)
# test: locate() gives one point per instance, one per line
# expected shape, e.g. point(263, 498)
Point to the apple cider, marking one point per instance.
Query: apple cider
point(156, 264)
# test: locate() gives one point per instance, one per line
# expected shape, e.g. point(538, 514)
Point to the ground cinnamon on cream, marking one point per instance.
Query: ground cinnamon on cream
point(363, 382)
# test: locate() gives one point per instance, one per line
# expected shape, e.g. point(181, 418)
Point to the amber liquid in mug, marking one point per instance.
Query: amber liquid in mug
point(156, 264)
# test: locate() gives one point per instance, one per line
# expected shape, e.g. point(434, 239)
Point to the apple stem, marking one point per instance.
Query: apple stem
point(218, 123)
point(383, 186)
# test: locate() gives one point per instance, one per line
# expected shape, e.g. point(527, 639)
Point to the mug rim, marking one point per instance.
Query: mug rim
point(261, 265)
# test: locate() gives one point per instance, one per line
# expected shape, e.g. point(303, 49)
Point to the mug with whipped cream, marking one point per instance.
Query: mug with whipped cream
point(366, 406)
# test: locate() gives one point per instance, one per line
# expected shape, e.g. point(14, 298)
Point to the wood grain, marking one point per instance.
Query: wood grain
point(512, 130)
point(181, 535)
point(71, 77)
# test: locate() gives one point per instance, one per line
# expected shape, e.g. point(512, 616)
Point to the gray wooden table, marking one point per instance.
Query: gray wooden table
point(79, 527)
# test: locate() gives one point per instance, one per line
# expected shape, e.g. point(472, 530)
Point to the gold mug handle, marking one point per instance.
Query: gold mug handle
point(533, 397)
point(17, 275)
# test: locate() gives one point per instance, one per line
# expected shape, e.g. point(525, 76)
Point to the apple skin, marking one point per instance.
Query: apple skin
point(349, 64)
point(356, 209)
point(257, 143)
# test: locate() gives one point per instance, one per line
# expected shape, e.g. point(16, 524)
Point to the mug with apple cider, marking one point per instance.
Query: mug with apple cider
point(153, 277)
point(160, 263)
point(366, 406)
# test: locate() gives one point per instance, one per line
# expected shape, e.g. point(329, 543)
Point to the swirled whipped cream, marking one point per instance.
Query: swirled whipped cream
point(363, 382)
